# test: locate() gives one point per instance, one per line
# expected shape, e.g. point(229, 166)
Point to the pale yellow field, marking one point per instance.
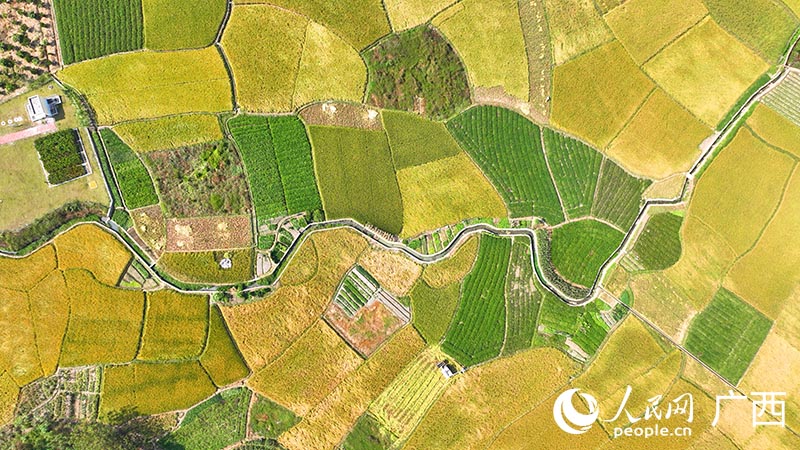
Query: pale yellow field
point(575, 27)
point(737, 199)
point(329, 69)
point(596, 94)
point(768, 274)
point(146, 84)
point(445, 192)
point(482, 401)
point(8, 398)
point(263, 329)
point(169, 132)
point(303, 266)
point(662, 302)
point(662, 139)
point(405, 14)
point(775, 129)
point(706, 70)
point(49, 304)
point(394, 271)
point(332, 418)
point(308, 371)
point(18, 354)
point(264, 44)
point(107, 259)
point(455, 267)
point(488, 36)
point(646, 26)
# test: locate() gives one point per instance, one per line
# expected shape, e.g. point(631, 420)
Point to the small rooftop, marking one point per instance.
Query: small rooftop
point(39, 108)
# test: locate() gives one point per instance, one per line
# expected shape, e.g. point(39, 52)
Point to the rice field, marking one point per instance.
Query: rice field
point(575, 27)
point(221, 358)
point(135, 184)
point(488, 37)
point(455, 267)
point(89, 29)
point(174, 326)
point(394, 271)
point(477, 331)
point(727, 334)
point(405, 14)
point(168, 83)
point(564, 326)
point(433, 309)
point(415, 140)
point(659, 245)
point(49, 307)
point(170, 132)
point(205, 267)
point(596, 94)
point(579, 249)
point(522, 298)
point(152, 388)
point(706, 70)
point(619, 195)
point(645, 27)
point(662, 139)
point(508, 149)
point(176, 24)
point(774, 128)
point(356, 176)
point(293, 155)
point(23, 274)
point(104, 322)
point(108, 260)
point(575, 167)
point(19, 352)
point(216, 423)
point(785, 98)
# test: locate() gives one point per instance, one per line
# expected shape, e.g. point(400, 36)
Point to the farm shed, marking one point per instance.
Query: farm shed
point(39, 108)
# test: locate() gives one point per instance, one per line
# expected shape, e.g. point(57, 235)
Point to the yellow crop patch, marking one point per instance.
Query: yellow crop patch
point(23, 274)
point(94, 249)
point(50, 313)
point(221, 359)
point(174, 326)
point(453, 269)
point(18, 354)
point(775, 129)
point(170, 132)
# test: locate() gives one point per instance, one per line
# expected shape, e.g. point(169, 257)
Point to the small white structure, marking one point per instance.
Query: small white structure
point(226, 264)
point(39, 108)
point(447, 371)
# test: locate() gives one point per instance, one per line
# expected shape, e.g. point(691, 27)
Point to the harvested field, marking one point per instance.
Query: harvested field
point(174, 326)
point(540, 59)
point(221, 359)
point(706, 70)
point(340, 114)
point(108, 259)
point(356, 176)
point(209, 233)
point(394, 271)
point(175, 24)
point(152, 388)
point(151, 226)
point(309, 369)
point(405, 14)
point(455, 267)
point(264, 329)
point(104, 323)
point(434, 195)
point(170, 132)
point(596, 94)
point(488, 37)
point(739, 211)
point(662, 139)
point(329, 422)
point(367, 329)
point(575, 27)
point(644, 26)
point(483, 401)
point(167, 83)
point(204, 267)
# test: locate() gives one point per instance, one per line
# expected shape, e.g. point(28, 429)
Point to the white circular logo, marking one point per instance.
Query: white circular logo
point(568, 418)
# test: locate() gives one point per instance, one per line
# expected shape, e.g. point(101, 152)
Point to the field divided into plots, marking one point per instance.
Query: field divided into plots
point(522, 298)
point(619, 195)
point(91, 28)
point(659, 245)
point(579, 249)
point(134, 181)
point(575, 168)
point(477, 331)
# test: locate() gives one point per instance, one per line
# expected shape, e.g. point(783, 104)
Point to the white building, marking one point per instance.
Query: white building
point(39, 108)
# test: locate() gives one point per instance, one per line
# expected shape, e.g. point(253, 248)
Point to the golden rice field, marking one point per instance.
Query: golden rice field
point(308, 370)
point(405, 14)
point(221, 358)
point(24, 273)
point(152, 388)
point(303, 265)
point(327, 423)
point(434, 195)
point(484, 400)
point(596, 94)
point(455, 267)
point(775, 129)
point(174, 326)
point(706, 70)
point(174, 24)
point(646, 26)
point(49, 304)
point(8, 397)
point(170, 132)
point(488, 36)
point(265, 328)
point(18, 353)
point(143, 85)
point(575, 27)
point(662, 139)
point(739, 211)
point(394, 271)
point(107, 261)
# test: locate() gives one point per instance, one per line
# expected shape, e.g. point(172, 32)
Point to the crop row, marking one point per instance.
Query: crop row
point(135, 183)
point(91, 28)
point(785, 98)
point(582, 325)
point(508, 148)
point(579, 249)
point(293, 153)
point(522, 298)
point(61, 156)
point(216, 423)
point(659, 245)
point(619, 195)
point(576, 167)
point(477, 330)
point(356, 290)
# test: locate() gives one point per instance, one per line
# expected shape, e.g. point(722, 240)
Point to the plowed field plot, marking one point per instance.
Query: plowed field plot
point(209, 233)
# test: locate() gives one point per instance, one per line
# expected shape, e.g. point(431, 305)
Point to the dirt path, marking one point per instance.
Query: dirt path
point(48, 127)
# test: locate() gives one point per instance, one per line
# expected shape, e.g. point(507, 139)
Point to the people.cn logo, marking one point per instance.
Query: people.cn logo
point(568, 418)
